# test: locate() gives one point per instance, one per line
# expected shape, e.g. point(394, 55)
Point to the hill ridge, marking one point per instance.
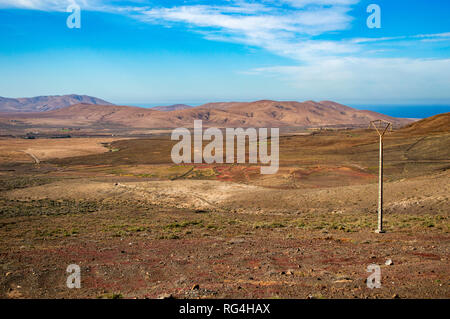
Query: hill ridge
point(44, 103)
point(263, 113)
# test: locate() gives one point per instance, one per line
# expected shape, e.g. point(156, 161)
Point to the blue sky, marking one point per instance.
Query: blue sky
point(163, 52)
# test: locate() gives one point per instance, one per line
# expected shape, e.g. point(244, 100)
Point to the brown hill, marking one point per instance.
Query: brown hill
point(435, 124)
point(88, 115)
point(46, 103)
point(266, 113)
point(263, 113)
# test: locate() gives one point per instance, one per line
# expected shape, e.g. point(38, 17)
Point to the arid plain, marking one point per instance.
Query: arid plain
point(140, 226)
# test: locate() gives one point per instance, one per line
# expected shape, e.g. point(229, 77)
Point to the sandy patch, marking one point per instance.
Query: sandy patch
point(19, 150)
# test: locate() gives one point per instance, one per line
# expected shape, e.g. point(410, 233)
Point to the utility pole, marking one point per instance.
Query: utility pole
point(381, 126)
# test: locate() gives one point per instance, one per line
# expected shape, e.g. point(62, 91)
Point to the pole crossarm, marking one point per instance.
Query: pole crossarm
point(379, 124)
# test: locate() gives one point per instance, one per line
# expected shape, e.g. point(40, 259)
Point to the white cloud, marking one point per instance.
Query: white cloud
point(290, 28)
point(304, 3)
point(363, 78)
point(50, 5)
point(239, 19)
point(368, 40)
point(283, 32)
point(338, 68)
point(434, 35)
point(61, 5)
point(33, 4)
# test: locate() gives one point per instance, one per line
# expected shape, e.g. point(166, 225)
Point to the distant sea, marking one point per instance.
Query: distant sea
point(406, 111)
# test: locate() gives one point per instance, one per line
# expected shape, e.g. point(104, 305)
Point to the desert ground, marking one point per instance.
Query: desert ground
point(140, 226)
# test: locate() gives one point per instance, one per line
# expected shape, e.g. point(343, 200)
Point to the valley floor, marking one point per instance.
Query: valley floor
point(141, 229)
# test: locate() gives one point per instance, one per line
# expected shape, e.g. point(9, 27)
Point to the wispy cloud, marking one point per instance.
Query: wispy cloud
point(304, 3)
point(282, 30)
point(44, 5)
point(435, 36)
point(284, 27)
point(61, 5)
point(374, 78)
point(250, 20)
point(295, 29)
point(344, 67)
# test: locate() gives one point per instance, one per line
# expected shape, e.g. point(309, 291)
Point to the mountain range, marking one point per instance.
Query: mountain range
point(46, 103)
point(263, 113)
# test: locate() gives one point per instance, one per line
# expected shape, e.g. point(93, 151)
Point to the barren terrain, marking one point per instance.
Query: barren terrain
point(140, 226)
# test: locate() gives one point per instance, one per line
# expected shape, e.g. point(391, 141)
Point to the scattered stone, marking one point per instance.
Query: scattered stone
point(389, 262)
point(165, 296)
point(237, 241)
point(195, 287)
point(343, 280)
point(271, 273)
